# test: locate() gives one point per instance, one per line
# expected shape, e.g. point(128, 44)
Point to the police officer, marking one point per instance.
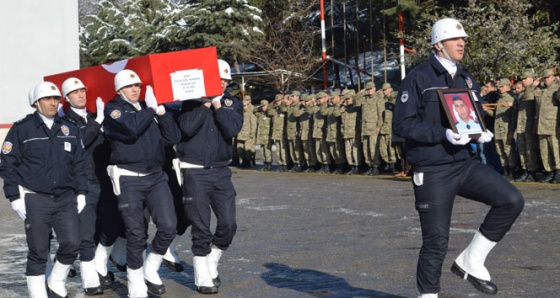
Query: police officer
point(139, 132)
point(205, 150)
point(43, 166)
point(443, 167)
point(97, 151)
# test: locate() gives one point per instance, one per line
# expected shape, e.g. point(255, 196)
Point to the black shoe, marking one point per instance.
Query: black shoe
point(177, 267)
point(93, 291)
point(217, 281)
point(155, 289)
point(107, 280)
point(53, 294)
point(207, 290)
point(245, 164)
point(485, 286)
point(374, 171)
point(548, 177)
point(295, 169)
point(556, 179)
point(523, 177)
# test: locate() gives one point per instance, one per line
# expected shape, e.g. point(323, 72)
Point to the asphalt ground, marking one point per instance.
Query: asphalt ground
point(322, 235)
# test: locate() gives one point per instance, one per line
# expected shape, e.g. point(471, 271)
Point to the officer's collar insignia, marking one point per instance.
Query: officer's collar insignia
point(228, 102)
point(7, 147)
point(115, 114)
point(469, 82)
point(65, 130)
point(404, 96)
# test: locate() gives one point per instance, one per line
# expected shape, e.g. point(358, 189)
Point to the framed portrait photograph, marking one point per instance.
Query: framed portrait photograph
point(462, 112)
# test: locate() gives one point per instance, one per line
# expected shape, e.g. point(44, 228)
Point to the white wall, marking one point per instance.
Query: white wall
point(37, 38)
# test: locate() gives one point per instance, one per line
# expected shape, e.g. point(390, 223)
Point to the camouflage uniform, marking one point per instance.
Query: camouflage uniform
point(372, 107)
point(386, 150)
point(319, 132)
point(263, 134)
point(335, 143)
point(547, 127)
point(349, 116)
point(504, 127)
point(295, 110)
point(305, 122)
point(527, 140)
point(278, 115)
point(246, 137)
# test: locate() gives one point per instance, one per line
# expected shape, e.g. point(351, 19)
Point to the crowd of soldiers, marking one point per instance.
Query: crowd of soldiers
point(525, 121)
point(350, 133)
point(327, 132)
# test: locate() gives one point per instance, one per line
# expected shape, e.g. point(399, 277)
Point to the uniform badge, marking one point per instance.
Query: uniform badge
point(228, 102)
point(404, 96)
point(7, 147)
point(115, 114)
point(469, 82)
point(65, 130)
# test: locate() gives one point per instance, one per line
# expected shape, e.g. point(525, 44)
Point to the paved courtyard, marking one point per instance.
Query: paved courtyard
point(319, 235)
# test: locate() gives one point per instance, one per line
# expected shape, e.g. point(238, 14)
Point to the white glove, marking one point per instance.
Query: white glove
point(485, 137)
point(457, 139)
point(150, 99)
point(100, 105)
point(217, 98)
point(19, 207)
point(81, 203)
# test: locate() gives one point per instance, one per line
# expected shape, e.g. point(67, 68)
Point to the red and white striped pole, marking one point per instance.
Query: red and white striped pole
point(401, 33)
point(324, 45)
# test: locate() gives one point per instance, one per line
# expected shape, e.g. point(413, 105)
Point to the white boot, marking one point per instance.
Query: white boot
point(136, 286)
point(118, 254)
point(102, 258)
point(471, 260)
point(57, 279)
point(171, 253)
point(431, 295)
point(151, 267)
point(202, 279)
point(213, 261)
point(90, 278)
point(36, 286)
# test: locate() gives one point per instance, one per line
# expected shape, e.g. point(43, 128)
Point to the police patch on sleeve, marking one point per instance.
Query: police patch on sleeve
point(7, 147)
point(228, 102)
point(65, 130)
point(404, 96)
point(115, 114)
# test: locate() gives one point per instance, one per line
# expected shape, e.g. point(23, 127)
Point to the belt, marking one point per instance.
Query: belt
point(124, 172)
point(186, 165)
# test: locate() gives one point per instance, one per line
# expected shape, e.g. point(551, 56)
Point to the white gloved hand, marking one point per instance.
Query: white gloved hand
point(485, 137)
point(457, 139)
point(150, 99)
point(81, 203)
point(217, 98)
point(100, 105)
point(19, 207)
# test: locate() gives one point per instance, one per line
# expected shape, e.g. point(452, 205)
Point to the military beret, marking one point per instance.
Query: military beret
point(370, 85)
point(386, 86)
point(503, 82)
point(527, 73)
point(264, 102)
point(548, 73)
point(295, 92)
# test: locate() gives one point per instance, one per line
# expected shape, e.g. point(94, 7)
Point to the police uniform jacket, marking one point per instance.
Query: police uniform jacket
point(95, 144)
point(419, 117)
point(138, 137)
point(208, 133)
point(47, 161)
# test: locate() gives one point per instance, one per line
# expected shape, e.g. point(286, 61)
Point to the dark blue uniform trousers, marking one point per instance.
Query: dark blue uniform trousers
point(44, 213)
point(88, 217)
point(153, 193)
point(208, 190)
point(434, 203)
point(109, 223)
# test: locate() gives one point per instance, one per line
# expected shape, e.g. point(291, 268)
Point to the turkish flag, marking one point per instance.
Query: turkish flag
point(181, 75)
